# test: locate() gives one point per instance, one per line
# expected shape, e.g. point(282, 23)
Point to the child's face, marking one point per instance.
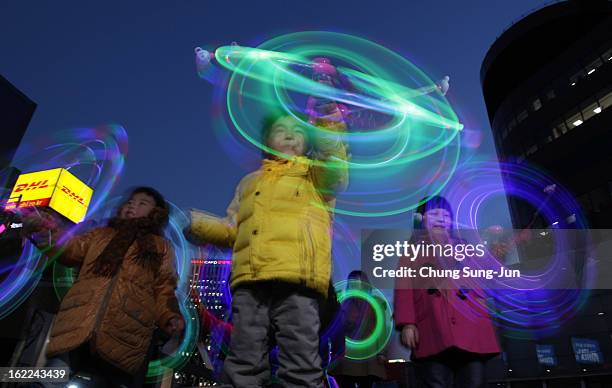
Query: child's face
point(437, 218)
point(140, 205)
point(288, 136)
point(356, 282)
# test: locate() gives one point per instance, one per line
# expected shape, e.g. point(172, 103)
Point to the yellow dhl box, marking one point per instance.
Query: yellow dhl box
point(57, 189)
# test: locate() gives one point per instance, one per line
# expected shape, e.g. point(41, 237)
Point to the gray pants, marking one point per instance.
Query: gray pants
point(269, 313)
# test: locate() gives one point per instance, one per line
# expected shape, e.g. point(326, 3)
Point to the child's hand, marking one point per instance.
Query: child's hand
point(382, 359)
point(410, 336)
point(175, 326)
point(524, 235)
point(495, 230)
point(500, 250)
point(36, 222)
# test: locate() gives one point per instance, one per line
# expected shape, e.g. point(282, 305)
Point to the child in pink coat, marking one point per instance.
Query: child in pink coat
point(449, 331)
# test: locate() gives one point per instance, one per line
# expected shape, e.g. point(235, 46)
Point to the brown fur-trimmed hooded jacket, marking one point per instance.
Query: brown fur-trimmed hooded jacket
point(115, 313)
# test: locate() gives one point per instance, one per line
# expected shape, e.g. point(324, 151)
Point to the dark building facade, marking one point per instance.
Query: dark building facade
point(547, 85)
point(16, 110)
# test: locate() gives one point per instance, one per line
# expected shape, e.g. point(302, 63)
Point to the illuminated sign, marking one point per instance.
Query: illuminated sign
point(587, 351)
point(56, 188)
point(34, 189)
point(211, 262)
point(546, 355)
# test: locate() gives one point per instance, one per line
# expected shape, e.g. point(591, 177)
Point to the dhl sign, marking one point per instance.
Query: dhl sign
point(56, 188)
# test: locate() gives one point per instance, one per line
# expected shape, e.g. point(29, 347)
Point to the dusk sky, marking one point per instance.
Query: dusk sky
point(132, 63)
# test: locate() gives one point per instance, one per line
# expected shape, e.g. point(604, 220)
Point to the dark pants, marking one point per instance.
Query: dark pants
point(454, 368)
point(271, 313)
point(360, 381)
point(89, 371)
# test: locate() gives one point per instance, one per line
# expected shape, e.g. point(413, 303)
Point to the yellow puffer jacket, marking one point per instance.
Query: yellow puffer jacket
point(279, 222)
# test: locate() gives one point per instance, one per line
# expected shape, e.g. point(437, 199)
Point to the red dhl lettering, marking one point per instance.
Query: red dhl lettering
point(31, 186)
point(72, 195)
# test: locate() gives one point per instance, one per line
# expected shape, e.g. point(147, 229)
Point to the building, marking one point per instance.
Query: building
point(547, 85)
point(209, 285)
point(16, 110)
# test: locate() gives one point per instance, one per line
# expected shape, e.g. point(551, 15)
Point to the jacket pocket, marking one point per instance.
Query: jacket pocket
point(131, 340)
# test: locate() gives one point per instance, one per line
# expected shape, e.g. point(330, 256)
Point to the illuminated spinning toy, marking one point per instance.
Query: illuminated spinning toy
point(402, 133)
point(535, 304)
point(374, 342)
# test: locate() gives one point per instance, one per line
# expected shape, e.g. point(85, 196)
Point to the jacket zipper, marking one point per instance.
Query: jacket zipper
point(253, 270)
point(105, 302)
point(312, 254)
point(258, 226)
point(302, 259)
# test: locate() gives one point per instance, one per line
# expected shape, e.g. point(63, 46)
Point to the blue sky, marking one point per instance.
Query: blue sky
point(131, 63)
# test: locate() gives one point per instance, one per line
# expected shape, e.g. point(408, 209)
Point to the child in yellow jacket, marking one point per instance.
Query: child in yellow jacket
point(279, 225)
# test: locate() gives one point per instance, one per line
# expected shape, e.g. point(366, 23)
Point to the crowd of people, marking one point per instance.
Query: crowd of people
point(279, 225)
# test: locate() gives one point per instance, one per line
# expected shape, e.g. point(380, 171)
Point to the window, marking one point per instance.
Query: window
point(606, 100)
point(591, 110)
point(532, 149)
point(550, 94)
point(511, 125)
point(536, 104)
point(599, 199)
point(575, 120)
point(591, 67)
point(521, 116)
point(574, 79)
point(577, 117)
point(585, 203)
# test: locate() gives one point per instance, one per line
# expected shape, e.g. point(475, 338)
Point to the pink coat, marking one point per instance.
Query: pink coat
point(445, 320)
